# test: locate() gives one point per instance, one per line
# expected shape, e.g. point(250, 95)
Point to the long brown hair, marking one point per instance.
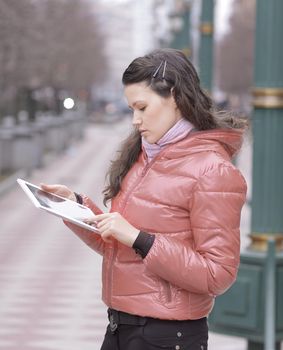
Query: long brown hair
point(166, 72)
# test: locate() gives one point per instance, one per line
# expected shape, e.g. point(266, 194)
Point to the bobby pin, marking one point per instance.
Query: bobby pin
point(157, 70)
point(164, 69)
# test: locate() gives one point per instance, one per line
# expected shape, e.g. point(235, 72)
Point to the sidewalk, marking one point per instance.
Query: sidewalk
point(50, 281)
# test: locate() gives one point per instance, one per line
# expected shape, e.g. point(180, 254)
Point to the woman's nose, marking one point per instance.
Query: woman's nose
point(136, 118)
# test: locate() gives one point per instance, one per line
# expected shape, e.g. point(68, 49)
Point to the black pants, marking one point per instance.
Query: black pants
point(128, 332)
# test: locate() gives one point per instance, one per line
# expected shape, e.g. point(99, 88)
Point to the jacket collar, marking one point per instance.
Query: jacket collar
point(225, 141)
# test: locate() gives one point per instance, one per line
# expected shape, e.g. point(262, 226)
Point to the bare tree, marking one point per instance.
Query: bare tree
point(47, 43)
point(15, 38)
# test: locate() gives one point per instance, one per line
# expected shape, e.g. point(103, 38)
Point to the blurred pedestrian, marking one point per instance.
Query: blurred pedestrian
point(170, 242)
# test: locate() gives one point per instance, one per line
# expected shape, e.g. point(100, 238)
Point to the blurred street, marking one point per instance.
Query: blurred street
point(50, 287)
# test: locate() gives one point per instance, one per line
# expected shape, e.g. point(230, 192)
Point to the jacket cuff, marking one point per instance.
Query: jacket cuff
point(143, 243)
point(79, 198)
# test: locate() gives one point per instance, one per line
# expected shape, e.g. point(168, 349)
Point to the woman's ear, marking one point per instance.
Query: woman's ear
point(172, 90)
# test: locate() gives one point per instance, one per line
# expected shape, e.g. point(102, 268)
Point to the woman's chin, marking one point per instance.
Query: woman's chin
point(149, 139)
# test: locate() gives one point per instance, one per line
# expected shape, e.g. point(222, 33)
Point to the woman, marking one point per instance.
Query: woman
point(171, 241)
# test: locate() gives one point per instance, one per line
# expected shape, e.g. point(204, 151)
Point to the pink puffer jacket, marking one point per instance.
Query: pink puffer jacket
point(190, 197)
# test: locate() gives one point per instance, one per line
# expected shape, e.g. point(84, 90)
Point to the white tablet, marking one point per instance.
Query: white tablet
point(59, 206)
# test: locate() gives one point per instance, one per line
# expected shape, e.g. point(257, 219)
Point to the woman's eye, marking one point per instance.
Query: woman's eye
point(142, 109)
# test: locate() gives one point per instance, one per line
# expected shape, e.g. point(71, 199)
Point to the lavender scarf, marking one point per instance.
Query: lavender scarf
point(179, 131)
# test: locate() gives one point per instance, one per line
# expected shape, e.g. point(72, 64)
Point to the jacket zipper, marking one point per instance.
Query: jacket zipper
point(114, 252)
point(143, 173)
point(110, 271)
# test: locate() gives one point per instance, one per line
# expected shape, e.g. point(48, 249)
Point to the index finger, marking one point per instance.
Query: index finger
point(48, 187)
point(101, 217)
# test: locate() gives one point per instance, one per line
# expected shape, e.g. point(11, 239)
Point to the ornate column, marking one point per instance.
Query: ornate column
point(253, 307)
point(267, 191)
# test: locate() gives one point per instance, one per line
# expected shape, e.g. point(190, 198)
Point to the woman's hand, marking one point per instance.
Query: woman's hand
point(60, 190)
point(114, 225)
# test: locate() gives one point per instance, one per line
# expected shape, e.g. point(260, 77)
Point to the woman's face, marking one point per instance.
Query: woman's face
point(153, 115)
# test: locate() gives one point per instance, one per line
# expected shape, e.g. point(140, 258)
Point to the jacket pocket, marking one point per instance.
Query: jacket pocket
point(165, 292)
point(168, 294)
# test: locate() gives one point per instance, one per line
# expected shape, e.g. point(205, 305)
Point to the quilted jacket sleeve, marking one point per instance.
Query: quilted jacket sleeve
point(210, 265)
point(92, 239)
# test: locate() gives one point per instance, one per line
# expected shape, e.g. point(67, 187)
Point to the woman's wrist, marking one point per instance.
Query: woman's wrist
point(76, 197)
point(143, 243)
point(132, 237)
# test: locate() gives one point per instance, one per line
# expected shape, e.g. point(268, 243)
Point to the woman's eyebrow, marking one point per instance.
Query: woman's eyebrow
point(136, 102)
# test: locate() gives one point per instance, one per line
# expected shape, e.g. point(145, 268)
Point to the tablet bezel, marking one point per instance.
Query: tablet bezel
point(24, 185)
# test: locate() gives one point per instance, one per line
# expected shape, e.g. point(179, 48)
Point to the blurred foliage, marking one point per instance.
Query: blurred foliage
point(54, 44)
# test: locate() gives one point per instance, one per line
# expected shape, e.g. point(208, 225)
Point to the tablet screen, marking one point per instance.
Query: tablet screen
point(62, 207)
point(59, 204)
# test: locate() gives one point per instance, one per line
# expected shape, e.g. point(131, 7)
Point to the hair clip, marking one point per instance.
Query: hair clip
point(157, 70)
point(164, 69)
